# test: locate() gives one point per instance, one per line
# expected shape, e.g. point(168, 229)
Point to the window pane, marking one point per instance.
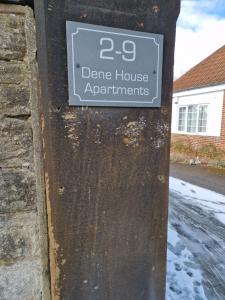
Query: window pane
point(192, 118)
point(182, 118)
point(202, 119)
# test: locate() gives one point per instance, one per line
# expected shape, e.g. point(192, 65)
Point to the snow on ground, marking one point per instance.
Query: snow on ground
point(184, 279)
point(212, 201)
point(190, 273)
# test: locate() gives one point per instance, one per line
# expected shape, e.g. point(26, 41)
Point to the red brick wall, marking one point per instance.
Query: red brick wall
point(197, 141)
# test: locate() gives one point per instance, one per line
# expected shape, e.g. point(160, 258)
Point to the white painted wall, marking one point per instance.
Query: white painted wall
point(212, 96)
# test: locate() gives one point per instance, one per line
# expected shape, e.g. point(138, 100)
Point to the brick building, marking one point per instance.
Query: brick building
point(198, 119)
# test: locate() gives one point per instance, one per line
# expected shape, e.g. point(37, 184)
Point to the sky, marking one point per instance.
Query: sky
point(200, 32)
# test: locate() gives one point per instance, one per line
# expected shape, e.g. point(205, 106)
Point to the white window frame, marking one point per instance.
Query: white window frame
point(197, 119)
point(178, 115)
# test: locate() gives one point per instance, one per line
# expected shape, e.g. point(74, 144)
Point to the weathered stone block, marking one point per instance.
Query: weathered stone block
point(21, 281)
point(17, 190)
point(12, 72)
point(23, 241)
point(12, 246)
point(30, 35)
point(12, 37)
point(14, 99)
point(18, 237)
point(16, 143)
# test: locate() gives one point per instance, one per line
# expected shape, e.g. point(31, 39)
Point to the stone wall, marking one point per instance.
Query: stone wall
point(23, 234)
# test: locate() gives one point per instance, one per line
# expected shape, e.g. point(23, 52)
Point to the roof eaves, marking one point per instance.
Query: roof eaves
point(198, 87)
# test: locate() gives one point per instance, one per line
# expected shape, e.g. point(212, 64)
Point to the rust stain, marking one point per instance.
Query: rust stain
point(156, 9)
point(61, 190)
point(132, 132)
point(69, 115)
point(162, 178)
point(53, 247)
point(71, 122)
point(164, 110)
point(98, 134)
point(42, 134)
point(126, 141)
point(162, 131)
point(42, 122)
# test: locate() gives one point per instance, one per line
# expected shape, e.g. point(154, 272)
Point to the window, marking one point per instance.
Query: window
point(192, 118)
point(202, 118)
point(182, 118)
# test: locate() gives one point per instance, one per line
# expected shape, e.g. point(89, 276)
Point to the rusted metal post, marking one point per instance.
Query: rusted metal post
point(106, 169)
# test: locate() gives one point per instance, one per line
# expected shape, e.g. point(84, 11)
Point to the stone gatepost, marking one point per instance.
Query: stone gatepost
point(23, 233)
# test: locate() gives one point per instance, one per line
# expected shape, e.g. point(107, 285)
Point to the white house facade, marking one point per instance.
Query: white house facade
point(198, 111)
point(198, 108)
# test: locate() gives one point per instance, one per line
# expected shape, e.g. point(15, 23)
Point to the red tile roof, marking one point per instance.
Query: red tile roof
point(211, 71)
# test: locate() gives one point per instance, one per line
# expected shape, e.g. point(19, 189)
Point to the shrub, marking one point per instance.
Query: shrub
point(181, 147)
point(211, 151)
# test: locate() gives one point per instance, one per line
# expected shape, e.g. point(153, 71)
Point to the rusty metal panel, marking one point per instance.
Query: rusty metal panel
point(106, 169)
